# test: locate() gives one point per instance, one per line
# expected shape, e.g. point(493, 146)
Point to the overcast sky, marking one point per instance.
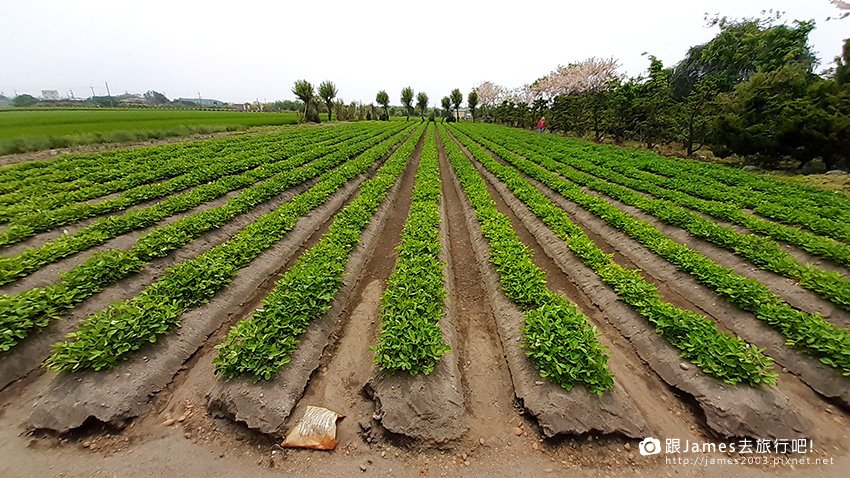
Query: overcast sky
point(246, 50)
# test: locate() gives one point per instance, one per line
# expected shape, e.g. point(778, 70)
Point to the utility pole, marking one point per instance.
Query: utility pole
point(92, 90)
point(200, 103)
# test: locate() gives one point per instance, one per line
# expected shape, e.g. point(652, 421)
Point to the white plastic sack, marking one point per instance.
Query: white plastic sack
point(316, 430)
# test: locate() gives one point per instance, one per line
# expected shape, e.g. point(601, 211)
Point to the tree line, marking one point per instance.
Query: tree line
point(751, 91)
point(312, 100)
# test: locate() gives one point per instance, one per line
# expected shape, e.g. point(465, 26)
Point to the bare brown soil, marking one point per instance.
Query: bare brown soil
point(426, 408)
point(486, 379)
point(484, 412)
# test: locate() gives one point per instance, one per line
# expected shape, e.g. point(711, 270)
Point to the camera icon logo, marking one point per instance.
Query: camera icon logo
point(649, 446)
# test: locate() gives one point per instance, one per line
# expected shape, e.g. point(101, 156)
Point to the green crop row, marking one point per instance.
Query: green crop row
point(740, 186)
point(752, 190)
point(834, 251)
point(68, 169)
point(87, 169)
point(260, 346)
point(410, 339)
point(558, 338)
point(31, 224)
point(76, 172)
point(45, 195)
point(622, 173)
point(22, 313)
point(728, 200)
point(823, 212)
point(829, 343)
point(179, 174)
point(790, 207)
point(92, 168)
point(721, 355)
point(770, 207)
point(762, 252)
point(742, 194)
point(105, 338)
point(30, 260)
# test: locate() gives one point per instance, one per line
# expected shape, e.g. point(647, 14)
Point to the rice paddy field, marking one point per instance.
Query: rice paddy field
point(33, 130)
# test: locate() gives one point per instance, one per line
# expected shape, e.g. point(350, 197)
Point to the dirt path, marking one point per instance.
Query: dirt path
point(346, 364)
point(488, 390)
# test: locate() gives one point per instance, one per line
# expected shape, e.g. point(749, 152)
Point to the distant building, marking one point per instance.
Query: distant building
point(202, 101)
point(50, 95)
point(132, 100)
point(240, 106)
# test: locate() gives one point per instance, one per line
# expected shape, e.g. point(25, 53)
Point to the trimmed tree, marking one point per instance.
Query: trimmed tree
point(472, 101)
point(303, 90)
point(383, 99)
point(422, 103)
point(457, 99)
point(407, 100)
point(446, 102)
point(327, 91)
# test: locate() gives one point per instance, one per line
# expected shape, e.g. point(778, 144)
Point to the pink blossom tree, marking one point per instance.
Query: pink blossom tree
point(590, 79)
point(843, 6)
point(587, 76)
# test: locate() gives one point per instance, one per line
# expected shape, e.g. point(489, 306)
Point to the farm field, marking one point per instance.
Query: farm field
point(475, 300)
point(33, 130)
